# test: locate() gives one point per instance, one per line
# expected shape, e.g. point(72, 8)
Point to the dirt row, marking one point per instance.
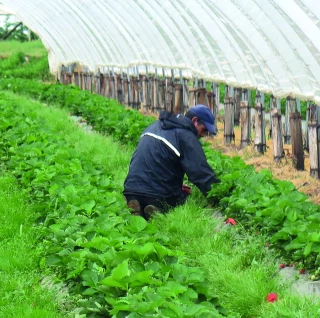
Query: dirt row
point(283, 170)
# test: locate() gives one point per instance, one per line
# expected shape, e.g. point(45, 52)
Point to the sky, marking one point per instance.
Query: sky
point(3, 19)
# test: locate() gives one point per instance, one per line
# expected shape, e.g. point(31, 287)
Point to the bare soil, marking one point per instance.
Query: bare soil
point(284, 170)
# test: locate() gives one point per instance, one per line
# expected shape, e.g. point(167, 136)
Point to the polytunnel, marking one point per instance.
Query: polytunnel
point(272, 46)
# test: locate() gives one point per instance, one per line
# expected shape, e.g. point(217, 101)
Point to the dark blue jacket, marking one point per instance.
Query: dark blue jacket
point(167, 150)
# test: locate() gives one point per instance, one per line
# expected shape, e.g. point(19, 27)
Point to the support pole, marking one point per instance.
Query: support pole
point(161, 92)
point(245, 113)
point(185, 95)
point(306, 136)
point(155, 93)
point(238, 94)
point(135, 92)
point(169, 94)
point(296, 140)
point(178, 99)
point(228, 120)
point(276, 131)
point(290, 108)
point(314, 138)
point(260, 139)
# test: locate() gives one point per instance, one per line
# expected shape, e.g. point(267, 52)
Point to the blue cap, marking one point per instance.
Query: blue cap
point(205, 114)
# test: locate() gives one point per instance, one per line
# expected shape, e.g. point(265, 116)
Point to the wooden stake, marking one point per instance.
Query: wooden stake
point(192, 94)
point(228, 120)
point(126, 90)
point(169, 95)
point(162, 98)
point(276, 132)
point(313, 134)
point(202, 96)
point(259, 140)
point(290, 108)
point(135, 93)
point(178, 99)
point(245, 124)
point(185, 95)
point(296, 140)
point(238, 94)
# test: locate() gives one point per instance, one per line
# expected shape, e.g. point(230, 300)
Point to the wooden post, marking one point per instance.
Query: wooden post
point(290, 108)
point(106, 89)
point(84, 81)
point(169, 94)
point(135, 92)
point(102, 87)
point(112, 83)
point(306, 137)
point(276, 132)
point(313, 135)
point(245, 115)
point(130, 91)
point(81, 80)
point(238, 94)
point(161, 93)
point(68, 78)
point(202, 96)
point(155, 94)
point(216, 102)
point(96, 85)
point(296, 140)
point(178, 99)
point(260, 139)
point(91, 82)
point(88, 86)
point(185, 95)
point(76, 79)
point(228, 120)
point(195, 86)
point(126, 90)
point(151, 93)
point(210, 100)
point(192, 94)
point(144, 93)
point(119, 89)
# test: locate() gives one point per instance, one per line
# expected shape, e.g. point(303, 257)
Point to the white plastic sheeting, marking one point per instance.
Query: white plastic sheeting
point(269, 45)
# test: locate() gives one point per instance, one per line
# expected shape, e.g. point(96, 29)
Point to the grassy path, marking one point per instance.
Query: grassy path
point(21, 294)
point(240, 268)
point(33, 48)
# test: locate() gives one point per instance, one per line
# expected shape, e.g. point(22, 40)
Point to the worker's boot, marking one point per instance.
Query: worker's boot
point(134, 205)
point(150, 210)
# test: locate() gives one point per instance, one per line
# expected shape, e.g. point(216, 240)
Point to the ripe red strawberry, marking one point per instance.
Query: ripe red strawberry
point(282, 265)
point(271, 298)
point(302, 271)
point(231, 221)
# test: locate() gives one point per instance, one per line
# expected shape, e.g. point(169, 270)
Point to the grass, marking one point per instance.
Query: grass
point(33, 48)
point(241, 269)
point(21, 293)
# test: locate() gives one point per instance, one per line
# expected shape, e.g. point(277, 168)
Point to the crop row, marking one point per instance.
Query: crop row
point(254, 198)
point(17, 66)
point(119, 264)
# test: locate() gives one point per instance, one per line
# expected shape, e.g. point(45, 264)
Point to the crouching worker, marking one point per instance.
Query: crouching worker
point(168, 149)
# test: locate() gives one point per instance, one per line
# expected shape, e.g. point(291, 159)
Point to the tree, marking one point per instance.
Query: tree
point(20, 31)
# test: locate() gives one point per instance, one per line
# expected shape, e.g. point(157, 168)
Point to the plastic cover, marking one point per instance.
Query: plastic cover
point(269, 45)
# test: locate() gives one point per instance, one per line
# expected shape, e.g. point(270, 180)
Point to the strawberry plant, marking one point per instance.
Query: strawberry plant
point(118, 264)
point(254, 199)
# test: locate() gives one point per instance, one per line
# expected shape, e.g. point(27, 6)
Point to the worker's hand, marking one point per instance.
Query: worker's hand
point(186, 189)
point(216, 180)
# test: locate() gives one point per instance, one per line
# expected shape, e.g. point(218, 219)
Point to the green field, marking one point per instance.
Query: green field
point(33, 48)
point(71, 224)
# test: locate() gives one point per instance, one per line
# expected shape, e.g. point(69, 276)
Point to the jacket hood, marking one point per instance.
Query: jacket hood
point(171, 121)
